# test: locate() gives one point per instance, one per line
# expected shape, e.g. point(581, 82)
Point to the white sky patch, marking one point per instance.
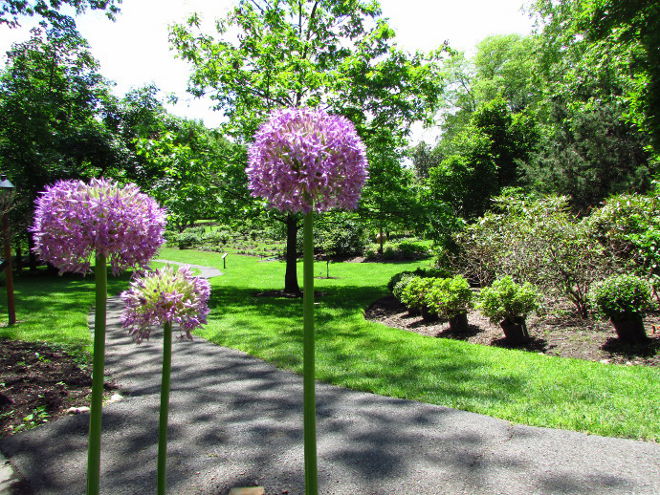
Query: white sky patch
point(134, 50)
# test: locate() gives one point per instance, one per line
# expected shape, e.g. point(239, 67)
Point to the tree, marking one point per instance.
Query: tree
point(51, 102)
point(422, 159)
point(624, 38)
point(50, 10)
point(185, 168)
point(337, 55)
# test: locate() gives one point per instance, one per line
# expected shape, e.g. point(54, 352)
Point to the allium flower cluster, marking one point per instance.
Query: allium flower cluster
point(165, 296)
point(74, 220)
point(304, 159)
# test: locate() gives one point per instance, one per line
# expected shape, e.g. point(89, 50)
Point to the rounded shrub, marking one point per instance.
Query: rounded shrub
point(414, 293)
point(419, 272)
point(403, 282)
point(505, 299)
point(448, 297)
point(621, 295)
point(188, 239)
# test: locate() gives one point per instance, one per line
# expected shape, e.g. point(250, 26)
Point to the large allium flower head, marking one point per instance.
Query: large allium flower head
point(74, 220)
point(165, 296)
point(304, 159)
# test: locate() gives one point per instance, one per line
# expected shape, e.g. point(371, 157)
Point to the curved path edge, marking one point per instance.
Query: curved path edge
point(237, 421)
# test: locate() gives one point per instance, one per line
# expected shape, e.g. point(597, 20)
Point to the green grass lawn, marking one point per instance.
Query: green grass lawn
point(519, 386)
point(55, 308)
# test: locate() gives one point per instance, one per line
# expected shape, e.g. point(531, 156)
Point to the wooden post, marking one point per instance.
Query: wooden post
point(11, 309)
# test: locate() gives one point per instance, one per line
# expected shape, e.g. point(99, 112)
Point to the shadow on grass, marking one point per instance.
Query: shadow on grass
point(351, 353)
point(237, 421)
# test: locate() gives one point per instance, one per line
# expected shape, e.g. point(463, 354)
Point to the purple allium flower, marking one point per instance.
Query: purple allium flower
point(74, 220)
point(303, 158)
point(165, 296)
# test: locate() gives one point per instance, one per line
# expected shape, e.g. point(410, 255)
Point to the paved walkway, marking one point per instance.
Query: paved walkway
point(236, 421)
point(204, 271)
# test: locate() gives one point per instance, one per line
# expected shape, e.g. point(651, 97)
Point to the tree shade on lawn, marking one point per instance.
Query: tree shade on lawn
point(76, 222)
point(303, 160)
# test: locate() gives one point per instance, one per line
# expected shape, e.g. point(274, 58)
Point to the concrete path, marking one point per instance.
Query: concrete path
point(204, 271)
point(237, 421)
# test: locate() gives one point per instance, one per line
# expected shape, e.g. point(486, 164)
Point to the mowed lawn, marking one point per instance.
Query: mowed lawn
point(55, 308)
point(522, 387)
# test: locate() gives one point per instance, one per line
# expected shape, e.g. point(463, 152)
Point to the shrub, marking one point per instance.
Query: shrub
point(188, 239)
point(411, 250)
point(628, 227)
point(419, 272)
point(506, 299)
point(414, 294)
point(400, 286)
point(448, 297)
point(537, 241)
point(340, 235)
point(622, 295)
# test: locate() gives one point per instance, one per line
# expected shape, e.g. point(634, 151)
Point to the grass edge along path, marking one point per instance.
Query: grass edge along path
point(518, 386)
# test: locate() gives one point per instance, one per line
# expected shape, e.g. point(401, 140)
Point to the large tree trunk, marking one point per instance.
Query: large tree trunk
point(291, 276)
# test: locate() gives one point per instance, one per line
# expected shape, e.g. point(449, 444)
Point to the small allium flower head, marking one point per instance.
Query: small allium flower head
point(304, 159)
point(74, 220)
point(165, 296)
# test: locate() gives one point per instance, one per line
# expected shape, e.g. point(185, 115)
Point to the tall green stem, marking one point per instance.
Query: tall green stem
point(309, 400)
point(164, 407)
point(95, 416)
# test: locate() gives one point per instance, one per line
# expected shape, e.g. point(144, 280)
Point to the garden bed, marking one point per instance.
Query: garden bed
point(557, 336)
point(38, 383)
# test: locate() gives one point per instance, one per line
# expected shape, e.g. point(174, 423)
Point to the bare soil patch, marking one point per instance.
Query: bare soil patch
point(563, 336)
point(39, 382)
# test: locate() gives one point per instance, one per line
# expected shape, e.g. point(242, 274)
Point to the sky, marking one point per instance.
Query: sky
point(134, 50)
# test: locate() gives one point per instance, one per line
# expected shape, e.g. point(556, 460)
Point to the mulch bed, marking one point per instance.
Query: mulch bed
point(38, 382)
point(557, 336)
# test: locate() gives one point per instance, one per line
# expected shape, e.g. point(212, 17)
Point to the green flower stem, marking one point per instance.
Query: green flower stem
point(164, 407)
point(309, 405)
point(95, 417)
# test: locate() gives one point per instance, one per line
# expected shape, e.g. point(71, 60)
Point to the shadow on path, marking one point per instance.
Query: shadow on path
point(235, 420)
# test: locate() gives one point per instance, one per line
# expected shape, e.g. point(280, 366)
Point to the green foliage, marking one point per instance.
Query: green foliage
point(405, 250)
point(187, 164)
point(621, 295)
point(50, 10)
point(187, 240)
point(448, 297)
point(606, 48)
point(628, 226)
point(340, 235)
point(467, 179)
point(506, 299)
point(401, 284)
point(588, 153)
point(414, 294)
point(418, 272)
point(51, 96)
point(537, 241)
point(339, 55)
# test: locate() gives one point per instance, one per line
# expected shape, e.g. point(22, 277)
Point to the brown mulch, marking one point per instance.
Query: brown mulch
point(564, 336)
point(39, 382)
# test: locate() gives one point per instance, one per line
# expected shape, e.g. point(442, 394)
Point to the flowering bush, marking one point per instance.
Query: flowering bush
point(304, 159)
point(506, 299)
point(75, 220)
point(165, 296)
